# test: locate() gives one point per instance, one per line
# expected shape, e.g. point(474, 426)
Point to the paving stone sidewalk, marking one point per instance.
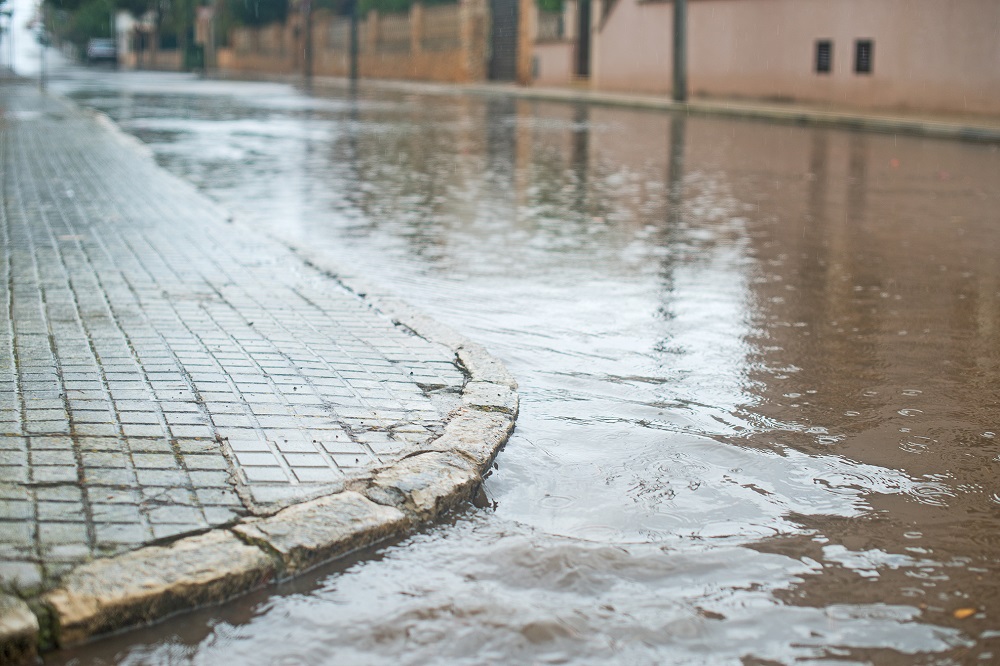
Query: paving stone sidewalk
point(163, 371)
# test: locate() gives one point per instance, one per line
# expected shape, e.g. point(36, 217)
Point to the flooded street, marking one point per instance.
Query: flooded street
point(759, 369)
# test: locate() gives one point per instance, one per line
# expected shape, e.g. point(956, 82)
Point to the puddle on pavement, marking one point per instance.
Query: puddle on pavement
point(759, 368)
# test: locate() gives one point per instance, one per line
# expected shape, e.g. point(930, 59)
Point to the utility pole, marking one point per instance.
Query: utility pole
point(43, 41)
point(307, 41)
point(680, 51)
point(354, 43)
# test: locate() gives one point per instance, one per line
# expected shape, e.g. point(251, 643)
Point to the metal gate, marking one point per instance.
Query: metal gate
point(503, 40)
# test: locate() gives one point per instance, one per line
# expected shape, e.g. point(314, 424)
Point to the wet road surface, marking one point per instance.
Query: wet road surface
point(759, 368)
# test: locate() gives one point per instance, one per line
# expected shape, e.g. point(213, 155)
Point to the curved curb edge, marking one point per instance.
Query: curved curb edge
point(153, 582)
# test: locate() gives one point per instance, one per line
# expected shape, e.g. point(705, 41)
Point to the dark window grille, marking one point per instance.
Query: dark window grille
point(863, 56)
point(824, 56)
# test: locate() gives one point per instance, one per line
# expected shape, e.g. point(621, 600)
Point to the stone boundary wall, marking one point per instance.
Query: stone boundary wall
point(446, 43)
point(166, 60)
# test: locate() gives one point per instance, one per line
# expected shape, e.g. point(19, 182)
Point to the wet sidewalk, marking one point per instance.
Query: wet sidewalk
point(164, 371)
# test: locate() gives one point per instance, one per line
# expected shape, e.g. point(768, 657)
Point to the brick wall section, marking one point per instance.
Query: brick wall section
point(440, 43)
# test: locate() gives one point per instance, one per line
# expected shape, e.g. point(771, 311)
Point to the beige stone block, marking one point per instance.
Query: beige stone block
point(308, 534)
point(484, 367)
point(427, 484)
point(490, 397)
point(477, 434)
point(150, 583)
point(18, 632)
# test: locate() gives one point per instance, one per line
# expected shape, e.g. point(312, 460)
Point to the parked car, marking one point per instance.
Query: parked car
point(102, 50)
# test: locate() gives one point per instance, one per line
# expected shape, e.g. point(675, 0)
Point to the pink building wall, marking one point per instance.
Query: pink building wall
point(630, 49)
point(928, 54)
point(555, 59)
point(553, 63)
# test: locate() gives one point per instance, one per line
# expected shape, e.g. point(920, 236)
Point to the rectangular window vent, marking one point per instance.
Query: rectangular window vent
point(863, 56)
point(824, 56)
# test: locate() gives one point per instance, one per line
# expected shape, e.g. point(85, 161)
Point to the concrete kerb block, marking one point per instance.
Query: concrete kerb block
point(153, 582)
point(18, 632)
point(475, 434)
point(426, 484)
point(483, 367)
point(490, 397)
point(307, 535)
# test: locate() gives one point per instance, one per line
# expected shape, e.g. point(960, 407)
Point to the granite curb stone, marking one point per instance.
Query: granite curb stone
point(183, 572)
point(308, 534)
point(426, 484)
point(153, 582)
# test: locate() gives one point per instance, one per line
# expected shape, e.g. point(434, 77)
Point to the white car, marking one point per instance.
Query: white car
point(101, 50)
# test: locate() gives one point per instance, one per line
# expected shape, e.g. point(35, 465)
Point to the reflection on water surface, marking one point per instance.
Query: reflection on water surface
point(759, 365)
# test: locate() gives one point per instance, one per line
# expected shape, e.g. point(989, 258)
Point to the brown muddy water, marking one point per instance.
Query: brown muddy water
point(759, 366)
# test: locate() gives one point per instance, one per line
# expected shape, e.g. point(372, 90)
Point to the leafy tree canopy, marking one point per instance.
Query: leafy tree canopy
point(258, 12)
point(136, 7)
point(393, 6)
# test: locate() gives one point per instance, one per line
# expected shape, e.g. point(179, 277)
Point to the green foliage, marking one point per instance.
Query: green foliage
point(67, 5)
point(180, 20)
point(91, 18)
point(550, 5)
point(394, 6)
point(258, 12)
point(383, 6)
point(338, 7)
point(81, 20)
point(136, 7)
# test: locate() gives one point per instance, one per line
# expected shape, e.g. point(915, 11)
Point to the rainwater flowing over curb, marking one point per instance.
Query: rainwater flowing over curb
point(148, 584)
